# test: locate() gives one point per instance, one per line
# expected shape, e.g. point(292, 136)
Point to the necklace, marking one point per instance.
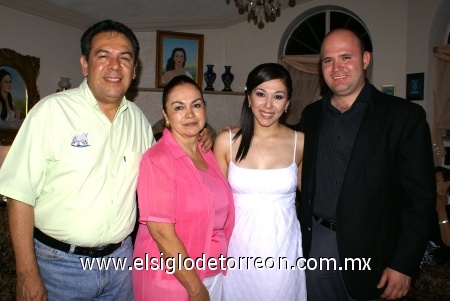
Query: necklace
point(270, 148)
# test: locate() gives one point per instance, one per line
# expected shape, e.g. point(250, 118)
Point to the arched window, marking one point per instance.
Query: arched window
point(305, 34)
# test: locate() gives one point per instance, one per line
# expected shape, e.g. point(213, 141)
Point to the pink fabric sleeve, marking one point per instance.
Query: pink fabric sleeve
point(155, 191)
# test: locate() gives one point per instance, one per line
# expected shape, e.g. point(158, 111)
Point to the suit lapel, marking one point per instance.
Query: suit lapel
point(369, 131)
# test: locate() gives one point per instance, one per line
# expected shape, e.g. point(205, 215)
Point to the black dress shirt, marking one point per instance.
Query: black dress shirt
point(337, 136)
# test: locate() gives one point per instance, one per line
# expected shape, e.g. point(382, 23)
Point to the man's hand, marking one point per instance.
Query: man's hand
point(31, 288)
point(206, 140)
point(397, 284)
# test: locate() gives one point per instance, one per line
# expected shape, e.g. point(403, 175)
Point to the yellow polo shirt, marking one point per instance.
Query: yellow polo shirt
point(77, 168)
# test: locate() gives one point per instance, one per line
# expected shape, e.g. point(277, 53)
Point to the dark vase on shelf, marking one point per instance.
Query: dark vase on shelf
point(209, 77)
point(227, 79)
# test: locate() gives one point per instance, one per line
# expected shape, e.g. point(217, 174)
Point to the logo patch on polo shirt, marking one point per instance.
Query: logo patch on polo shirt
point(80, 140)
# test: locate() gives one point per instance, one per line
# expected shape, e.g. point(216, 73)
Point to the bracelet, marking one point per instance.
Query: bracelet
point(443, 222)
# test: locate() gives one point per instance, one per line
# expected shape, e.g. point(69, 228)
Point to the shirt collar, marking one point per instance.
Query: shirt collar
point(89, 96)
point(365, 95)
point(175, 149)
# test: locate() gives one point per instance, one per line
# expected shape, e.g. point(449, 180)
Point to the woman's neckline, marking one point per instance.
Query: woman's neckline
point(279, 168)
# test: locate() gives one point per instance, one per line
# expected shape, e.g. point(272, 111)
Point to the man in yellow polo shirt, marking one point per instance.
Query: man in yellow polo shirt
point(71, 177)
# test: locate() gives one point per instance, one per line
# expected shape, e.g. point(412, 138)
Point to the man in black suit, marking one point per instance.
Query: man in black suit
point(368, 183)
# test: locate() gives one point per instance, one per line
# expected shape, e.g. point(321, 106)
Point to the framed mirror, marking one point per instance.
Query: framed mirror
point(18, 91)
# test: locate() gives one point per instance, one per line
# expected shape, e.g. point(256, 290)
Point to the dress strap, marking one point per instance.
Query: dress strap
point(295, 143)
point(231, 148)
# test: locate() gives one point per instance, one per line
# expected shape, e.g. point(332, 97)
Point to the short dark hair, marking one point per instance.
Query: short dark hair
point(445, 172)
point(260, 74)
point(177, 81)
point(108, 26)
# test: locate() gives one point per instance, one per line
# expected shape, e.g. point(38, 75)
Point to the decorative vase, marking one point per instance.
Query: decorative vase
point(209, 77)
point(227, 79)
point(64, 83)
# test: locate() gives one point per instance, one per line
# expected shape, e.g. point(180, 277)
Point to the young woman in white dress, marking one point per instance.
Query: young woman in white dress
point(261, 160)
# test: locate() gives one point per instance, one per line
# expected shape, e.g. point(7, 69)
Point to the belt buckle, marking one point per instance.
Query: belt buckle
point(98, 251)
point(333, 226)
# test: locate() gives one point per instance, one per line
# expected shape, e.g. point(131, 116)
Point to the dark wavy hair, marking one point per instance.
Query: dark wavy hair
point(175, 82)
point(171, 62)
point(260, 74)
point(108, 26)
point(4, 112)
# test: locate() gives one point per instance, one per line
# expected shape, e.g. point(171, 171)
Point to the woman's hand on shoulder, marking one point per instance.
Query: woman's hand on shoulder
point(205, 139)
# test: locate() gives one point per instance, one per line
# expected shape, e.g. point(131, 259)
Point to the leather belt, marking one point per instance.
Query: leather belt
point(325, 223)
point(93, 252)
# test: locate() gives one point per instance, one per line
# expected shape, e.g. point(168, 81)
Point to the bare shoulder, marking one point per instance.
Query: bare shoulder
point(300, 138)
point(299, 145)
point(287, 135)
point(287, 132)
point(221, 138)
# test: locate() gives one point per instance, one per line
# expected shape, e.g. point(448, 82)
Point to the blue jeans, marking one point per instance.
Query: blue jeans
point(65, 279)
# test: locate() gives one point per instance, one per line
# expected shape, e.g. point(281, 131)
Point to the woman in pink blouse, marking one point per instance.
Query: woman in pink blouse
point(185, 204)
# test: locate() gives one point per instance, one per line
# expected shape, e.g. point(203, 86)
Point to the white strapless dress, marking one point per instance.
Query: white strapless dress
point(266, 227)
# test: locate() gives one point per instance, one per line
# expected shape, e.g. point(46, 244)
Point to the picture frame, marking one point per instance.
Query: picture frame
point(173, 46)
point(414, 86)
point(24, 70)
point(388, 89)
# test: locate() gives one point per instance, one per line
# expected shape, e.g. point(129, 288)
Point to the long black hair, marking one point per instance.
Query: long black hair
point(4, 112)
point(260, 74)
point(171, 62)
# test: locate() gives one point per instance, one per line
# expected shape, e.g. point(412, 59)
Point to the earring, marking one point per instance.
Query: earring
point(167, 123)
point(285, 110)
point(249, 105)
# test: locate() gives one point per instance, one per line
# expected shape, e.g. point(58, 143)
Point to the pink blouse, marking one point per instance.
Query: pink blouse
point(171, 190)
point(219, 243)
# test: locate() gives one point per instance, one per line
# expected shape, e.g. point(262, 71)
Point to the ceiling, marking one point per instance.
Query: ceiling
point(140, 15)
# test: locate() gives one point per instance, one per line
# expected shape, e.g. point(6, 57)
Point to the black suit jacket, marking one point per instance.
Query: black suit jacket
point(388, 193)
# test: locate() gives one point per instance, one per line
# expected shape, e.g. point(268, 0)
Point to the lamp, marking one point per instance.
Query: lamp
point(260, 8)
point(64, 84)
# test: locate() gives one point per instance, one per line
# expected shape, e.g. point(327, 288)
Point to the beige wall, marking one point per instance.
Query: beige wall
point(399, 30)
point(55, 44)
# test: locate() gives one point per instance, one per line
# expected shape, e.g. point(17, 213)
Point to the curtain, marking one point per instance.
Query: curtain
point(441, 99)
point(307, 80)
point(306, 74)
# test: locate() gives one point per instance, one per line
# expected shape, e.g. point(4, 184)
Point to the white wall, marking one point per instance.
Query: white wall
point(55, 44)
point(399, 30)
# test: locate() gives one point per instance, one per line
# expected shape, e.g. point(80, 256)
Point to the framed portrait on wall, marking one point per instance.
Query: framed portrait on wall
point(18, 91)
point(178, 53)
